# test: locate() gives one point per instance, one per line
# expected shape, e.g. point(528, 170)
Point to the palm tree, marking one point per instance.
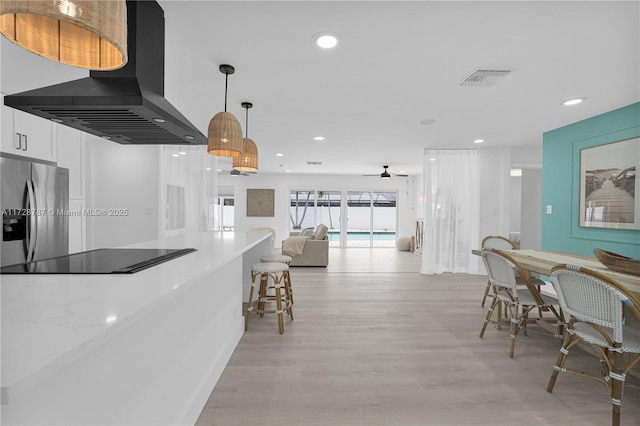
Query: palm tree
point(297, 224)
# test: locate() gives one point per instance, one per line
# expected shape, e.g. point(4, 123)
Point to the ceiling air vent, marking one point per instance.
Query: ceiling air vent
point(314, 163)
point(484, 77)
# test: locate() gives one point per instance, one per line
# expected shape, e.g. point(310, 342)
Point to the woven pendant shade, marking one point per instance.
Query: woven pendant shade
point(225, 135)
point(84, 33)
point(248, 160)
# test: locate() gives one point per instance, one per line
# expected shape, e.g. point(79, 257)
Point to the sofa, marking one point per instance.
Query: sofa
point(313, 252)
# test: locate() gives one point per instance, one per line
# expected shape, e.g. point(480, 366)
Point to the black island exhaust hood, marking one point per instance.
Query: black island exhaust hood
point(126, 105)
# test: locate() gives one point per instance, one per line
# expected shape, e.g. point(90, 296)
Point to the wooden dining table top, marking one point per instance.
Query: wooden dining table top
point(541, 262)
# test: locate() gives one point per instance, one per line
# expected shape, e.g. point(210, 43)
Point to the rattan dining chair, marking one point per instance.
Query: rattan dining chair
point(518, 300)
point(594, 306)
point(494, 242)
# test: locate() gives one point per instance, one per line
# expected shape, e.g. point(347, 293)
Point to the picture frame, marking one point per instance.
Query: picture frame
point(260, 202)
point(609, 192)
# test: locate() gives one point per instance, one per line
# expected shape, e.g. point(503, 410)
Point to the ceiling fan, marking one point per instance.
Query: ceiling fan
point(234, 172)
point(386, 175)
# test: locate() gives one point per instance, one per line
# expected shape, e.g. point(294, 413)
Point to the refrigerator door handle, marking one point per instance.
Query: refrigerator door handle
point(31, 209)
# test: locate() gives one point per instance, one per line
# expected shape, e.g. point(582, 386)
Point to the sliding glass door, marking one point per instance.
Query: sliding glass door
point(368, 220)
point(371, 219)
point(328, 206)
point(359, 219)
point(310, 208)
point(383, 219)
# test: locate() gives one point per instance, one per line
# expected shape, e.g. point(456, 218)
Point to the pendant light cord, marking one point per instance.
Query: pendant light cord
point(246, 125)
point(226, 82)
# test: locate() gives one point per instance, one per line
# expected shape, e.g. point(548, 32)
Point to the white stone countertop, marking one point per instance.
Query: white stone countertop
point(48, 321)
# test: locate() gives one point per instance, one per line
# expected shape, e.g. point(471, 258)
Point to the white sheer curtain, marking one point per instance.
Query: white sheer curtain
point(188, 189)
point(451, 216)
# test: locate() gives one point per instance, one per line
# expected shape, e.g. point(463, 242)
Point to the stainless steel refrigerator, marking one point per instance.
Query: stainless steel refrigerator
point(34, 199)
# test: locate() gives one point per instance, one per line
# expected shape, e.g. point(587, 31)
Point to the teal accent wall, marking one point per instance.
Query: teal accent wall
point(561, 184)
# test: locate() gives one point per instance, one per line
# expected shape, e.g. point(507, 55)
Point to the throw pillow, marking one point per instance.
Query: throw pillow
point(306, 232)
point(321, 231)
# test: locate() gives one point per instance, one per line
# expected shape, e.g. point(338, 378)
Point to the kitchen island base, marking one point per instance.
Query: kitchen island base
point(157, 365)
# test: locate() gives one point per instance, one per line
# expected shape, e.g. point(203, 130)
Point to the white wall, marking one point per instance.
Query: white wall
point(515, 201)
point(531, 232)
point(122, 177)
point(283, 184)
point(495, 190)
point(529, 157)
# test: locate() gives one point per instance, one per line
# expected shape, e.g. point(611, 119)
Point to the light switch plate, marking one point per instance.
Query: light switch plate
point(549, 209)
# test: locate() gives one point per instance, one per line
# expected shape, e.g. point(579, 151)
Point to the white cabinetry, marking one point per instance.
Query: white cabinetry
point(27, 135)
point(71, 155)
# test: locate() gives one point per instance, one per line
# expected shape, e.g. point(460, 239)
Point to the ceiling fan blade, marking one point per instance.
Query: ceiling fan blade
point(395, 174)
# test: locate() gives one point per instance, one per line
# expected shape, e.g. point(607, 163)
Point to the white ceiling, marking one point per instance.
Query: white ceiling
point(397, 63)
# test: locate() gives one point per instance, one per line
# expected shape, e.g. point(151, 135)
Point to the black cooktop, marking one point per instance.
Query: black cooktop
point(101, 261)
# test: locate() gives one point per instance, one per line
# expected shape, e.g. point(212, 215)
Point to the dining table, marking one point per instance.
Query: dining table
point(540, 262)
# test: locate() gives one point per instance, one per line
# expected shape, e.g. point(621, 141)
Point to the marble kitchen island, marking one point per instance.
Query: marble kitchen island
point(144, 348)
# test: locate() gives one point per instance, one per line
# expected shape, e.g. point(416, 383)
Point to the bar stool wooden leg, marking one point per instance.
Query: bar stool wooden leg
point(264, 283)
point(279, 309)
point(288, 292)
point(250, 305)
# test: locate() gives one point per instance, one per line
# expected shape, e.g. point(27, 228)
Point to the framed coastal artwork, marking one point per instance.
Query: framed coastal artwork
point(260, 202)
point(609, 185)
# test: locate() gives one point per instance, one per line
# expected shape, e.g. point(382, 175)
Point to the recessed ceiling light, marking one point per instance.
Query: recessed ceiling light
point(575, 101)
point(188, 137)
point(159, 120)
point(56, 120)
point(318, 138)
point(326, 40)
point(208, 168)
point(478, 141)
point(182, 153)
point(432, 159)
point(279, 155)
point(175, 155)
point(287, 171)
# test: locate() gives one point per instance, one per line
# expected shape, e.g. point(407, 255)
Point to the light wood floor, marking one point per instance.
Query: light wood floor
point(376, 343)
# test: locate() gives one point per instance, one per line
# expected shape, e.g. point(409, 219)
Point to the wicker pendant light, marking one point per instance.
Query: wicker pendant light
point(84, 33)
point(225, 133)
point(248, 160)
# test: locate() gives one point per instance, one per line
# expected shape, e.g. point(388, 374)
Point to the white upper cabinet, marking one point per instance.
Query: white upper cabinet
point(27, 135)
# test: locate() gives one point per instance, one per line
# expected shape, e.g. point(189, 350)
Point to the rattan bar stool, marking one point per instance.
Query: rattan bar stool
point(282, 258)
point(272, 277)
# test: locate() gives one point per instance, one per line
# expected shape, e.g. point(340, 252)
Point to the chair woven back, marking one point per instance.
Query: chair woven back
point(497, 242)
point(500, 271)
point(592, 297)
